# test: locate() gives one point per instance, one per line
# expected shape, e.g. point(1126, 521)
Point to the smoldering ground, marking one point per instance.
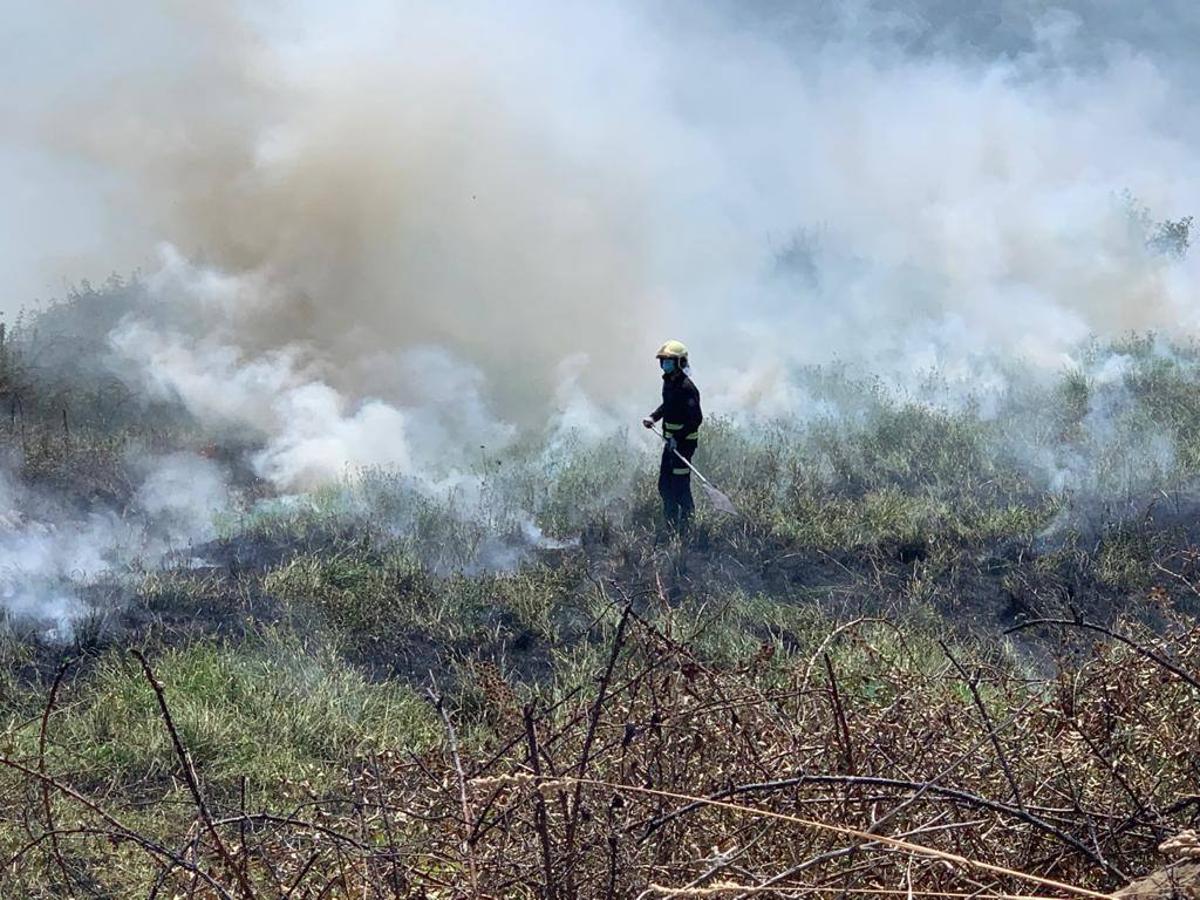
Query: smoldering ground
point(51, 547)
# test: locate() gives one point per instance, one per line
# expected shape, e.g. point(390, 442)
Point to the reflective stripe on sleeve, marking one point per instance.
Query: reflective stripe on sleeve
point(684, 471)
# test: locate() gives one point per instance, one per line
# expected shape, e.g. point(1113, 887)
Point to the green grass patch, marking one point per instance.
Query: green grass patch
point(269, 710)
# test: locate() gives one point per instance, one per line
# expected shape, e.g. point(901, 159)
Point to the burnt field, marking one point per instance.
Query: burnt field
point(943, 648)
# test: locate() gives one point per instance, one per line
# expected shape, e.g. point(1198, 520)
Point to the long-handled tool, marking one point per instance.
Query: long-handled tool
point(718, 499)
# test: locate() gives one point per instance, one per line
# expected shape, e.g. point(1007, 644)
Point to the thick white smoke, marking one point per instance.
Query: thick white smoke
point(49, 548)
point(520, 185)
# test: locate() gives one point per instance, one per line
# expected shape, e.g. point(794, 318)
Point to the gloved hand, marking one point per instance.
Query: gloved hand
point(649, 423)
point(671, 445)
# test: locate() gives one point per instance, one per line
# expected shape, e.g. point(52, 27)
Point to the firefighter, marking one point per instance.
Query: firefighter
point(681, 417)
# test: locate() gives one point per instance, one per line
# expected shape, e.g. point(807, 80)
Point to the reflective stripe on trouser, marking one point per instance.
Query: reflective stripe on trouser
point(675, 484)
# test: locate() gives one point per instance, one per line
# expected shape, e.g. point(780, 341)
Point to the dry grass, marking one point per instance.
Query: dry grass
point(879, 769)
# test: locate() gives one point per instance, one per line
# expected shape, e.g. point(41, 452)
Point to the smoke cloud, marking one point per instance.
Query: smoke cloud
point(523, 186)
point(50, 549)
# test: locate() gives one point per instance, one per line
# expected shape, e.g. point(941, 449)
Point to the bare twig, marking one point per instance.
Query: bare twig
point(918, 849)
point(1116, 636)
point(464, 799)
point(987, 723)
point(37, 840)
point(954, 764)
point(304, 870)
point(585, 754)
point(193, 782)
point(153, 848)
point(847, 851)
point(960, 795)
point(291, 822)
point(388, 830)
point(840, 718)
point(47, 806)
point(829, 638)
point(539, 807)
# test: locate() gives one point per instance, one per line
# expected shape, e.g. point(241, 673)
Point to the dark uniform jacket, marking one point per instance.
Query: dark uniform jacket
point(680, 410)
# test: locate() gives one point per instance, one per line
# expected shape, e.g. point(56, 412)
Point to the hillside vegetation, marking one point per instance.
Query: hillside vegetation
point(948, 645)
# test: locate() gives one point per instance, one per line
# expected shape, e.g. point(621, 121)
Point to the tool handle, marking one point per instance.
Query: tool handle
point(682, 458)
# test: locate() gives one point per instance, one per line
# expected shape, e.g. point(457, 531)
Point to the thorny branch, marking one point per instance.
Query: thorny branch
point(643, 770)
point(193, 782)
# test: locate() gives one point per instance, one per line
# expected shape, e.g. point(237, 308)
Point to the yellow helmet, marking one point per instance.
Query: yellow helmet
point(672, 350)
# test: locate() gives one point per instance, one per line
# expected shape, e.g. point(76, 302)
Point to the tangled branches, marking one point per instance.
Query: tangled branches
point(901, 769)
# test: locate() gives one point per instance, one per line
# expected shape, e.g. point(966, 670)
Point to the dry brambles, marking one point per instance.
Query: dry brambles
point(672, 777)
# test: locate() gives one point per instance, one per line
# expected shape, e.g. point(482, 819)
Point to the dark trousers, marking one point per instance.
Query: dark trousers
point(675, 485)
